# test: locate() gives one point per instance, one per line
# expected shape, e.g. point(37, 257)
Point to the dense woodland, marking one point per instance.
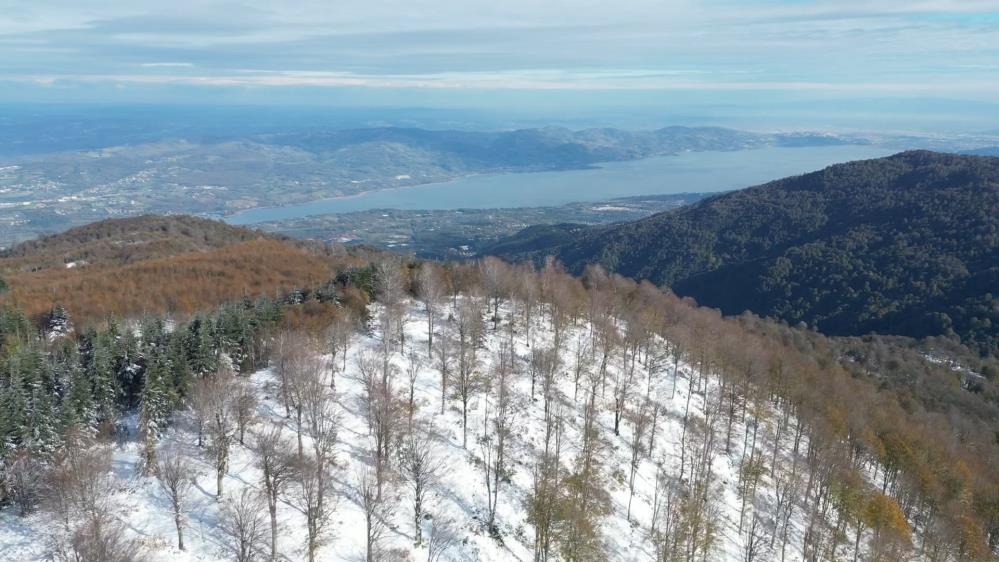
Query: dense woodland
point(178, 265)
point(876, 474)
point(127, 240)
point(904, 245)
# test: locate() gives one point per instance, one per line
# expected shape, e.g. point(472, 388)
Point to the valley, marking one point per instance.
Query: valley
point(266, 177)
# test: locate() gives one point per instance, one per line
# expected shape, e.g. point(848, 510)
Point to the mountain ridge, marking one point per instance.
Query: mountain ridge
point(831, 248)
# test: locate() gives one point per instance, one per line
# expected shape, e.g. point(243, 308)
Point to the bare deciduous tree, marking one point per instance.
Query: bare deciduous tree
point(466, 379)
point(176, 477)
point(100, 538)
point(639, 424)
point(444, 357)
point(413, 365)
point(430, 290)
point(218, 400)
point(24, 477)
point(442, 537)
point(244, 525)
point(422, 465)
point(277, 467)
point(494, 441)
point(245, 406)
point(368, 496)
point(307, 501)
point(338, 336)
point(78, 482)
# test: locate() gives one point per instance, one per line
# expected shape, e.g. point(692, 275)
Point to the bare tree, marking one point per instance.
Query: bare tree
point(493, 276)
point(444, 358)
point(624, 379)
point(542, 505)
point(382, 408)
point(581, 364)
point(374, 509)
point(99, 538)
point(392, 286)
point(245, 406)
point(413, 365)
point(466, 379)
point(244, 525)
point(200, 406)
point(306, 500)
point(78, 482)
point(422, 465)
point(218, 399)
point(322, 424)
point(24, 477)
point(494, 441)
point(277, 467)
point(305, 372)
point(640, 422)
point(442, 537)
point(430, 290)
point(176, 477)
point(338, 336)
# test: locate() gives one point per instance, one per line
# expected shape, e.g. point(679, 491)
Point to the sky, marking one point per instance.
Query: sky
point(842, 63)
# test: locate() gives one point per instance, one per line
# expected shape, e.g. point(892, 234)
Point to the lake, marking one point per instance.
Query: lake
point(689, 172)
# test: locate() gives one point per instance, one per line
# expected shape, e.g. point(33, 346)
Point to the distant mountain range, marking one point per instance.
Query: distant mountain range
point(984, 151)
point(907, 245)
point(539, 149)
point(42, 193)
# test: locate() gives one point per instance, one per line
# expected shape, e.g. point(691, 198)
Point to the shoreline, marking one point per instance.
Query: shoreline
point(362, 194)
point(321, 206)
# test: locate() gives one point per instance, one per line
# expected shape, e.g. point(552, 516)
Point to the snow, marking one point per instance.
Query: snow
point(460, 494)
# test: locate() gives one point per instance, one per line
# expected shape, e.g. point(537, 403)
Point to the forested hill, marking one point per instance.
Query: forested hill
point(126, 240)
point(157, 264)
point(907, 244)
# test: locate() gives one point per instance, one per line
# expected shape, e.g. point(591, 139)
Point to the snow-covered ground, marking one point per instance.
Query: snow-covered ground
point(460, 494)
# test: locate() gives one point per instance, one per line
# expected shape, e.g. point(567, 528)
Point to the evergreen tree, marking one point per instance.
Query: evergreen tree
point(156, 403)
point(78, 407)
point(100, 371)
point(128, 369)
point(201, 355)
point(56, 322)
point(179, 368)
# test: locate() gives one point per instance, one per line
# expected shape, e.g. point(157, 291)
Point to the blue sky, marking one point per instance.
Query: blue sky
point(754, 55)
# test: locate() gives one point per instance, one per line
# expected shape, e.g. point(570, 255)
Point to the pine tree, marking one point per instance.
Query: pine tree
point(155, 406)
point(200, 347)
point(100, 371)
point(13, 411)
point(179, 368)
point(77, 408)
point(128, 369)
point(56, 322)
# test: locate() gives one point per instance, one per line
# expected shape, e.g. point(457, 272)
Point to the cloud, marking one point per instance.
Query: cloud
point(166, 65)
point(753, 45)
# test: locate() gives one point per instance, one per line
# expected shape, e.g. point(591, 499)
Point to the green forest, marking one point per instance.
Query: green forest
point(903, 245)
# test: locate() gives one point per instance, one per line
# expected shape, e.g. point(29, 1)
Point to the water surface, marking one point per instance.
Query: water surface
point(689, 172)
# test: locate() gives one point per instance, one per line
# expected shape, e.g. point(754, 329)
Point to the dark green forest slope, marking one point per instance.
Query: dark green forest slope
point(907, 245)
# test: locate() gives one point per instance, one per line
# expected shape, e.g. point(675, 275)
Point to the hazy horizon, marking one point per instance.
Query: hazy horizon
point(887, 65)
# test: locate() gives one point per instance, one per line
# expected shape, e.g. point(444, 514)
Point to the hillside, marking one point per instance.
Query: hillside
point(125, 240)
point(43, 193)
point(156, 264)
point(906, 245)
point(551, 418)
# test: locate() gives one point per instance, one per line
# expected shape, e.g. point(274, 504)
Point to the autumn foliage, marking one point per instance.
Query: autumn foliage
point(180, 284)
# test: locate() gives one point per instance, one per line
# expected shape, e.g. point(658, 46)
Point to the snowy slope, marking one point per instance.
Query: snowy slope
point(460, 494)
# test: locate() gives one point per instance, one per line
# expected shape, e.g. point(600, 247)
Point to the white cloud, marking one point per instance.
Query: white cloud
point(166, 65)
point(833, 45)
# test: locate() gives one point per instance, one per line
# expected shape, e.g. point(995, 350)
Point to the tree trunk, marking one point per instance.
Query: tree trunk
point(180, 529)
